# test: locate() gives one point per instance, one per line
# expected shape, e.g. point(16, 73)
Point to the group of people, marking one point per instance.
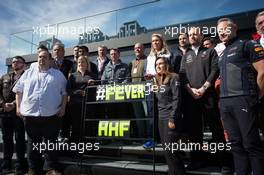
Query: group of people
point(185, 78)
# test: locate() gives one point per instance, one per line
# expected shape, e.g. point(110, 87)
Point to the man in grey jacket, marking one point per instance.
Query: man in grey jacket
point(116, 70)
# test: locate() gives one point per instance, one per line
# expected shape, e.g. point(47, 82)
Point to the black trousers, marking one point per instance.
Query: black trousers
point(41, 129)
point(195, 112)
point(66, 123)
point(12, 124)
point(169, 136)
point(76, 118)
point(240, 118)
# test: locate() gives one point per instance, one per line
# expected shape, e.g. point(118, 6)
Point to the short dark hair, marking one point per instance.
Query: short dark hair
point(229, 20)
point(208, 38)
point(60, 45)
point(115, 49)
point(183, 33)
point(85, 48)
point(20, 58)
point(102, 46)
point(42, 47)
point(76, 46)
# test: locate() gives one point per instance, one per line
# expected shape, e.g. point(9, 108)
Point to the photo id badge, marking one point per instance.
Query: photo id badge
point(134, 70)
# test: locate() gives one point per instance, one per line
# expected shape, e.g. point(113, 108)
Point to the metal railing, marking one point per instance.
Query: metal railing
point(105, 98)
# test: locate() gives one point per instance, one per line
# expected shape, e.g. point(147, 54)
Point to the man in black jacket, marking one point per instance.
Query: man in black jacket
point(260, 30)
point(198, 73)
point(11, 123)
point(65, 66)
point(242, 84)
point(179, 52)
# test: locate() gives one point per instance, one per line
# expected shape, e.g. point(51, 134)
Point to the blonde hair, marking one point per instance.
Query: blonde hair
point(86, 59)
point(164, 46)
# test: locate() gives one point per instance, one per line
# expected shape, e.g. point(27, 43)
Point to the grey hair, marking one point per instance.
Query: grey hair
point(258, 15)
point(229, 20)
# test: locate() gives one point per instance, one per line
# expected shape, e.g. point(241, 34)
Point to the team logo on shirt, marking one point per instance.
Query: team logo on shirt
point(258, 49)
point(189, 59)
point(203, 55)
point(231, 54)
point(220, 58)
point(233, 49)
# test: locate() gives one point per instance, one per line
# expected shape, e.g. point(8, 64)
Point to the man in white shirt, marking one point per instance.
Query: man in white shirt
point(41, 99)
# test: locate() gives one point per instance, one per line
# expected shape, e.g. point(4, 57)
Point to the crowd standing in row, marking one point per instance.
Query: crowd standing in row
point(188, 75)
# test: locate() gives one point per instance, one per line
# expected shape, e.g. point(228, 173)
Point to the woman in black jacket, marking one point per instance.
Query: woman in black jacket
point(168, 102)
point(77, 84)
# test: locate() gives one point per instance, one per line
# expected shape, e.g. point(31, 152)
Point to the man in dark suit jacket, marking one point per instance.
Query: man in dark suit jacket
point(60, 63)
point(65, 66)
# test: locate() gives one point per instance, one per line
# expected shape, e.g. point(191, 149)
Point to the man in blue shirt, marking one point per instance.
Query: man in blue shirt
point(41, 99)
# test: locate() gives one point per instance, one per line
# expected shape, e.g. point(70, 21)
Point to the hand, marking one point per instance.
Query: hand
point(201, 91)
point(9, 107)
point(91, 82)
point(148, 76)
point(171, 125)
point(195, 94)
point(61, 112)
point(18, 113)
point(261, 95)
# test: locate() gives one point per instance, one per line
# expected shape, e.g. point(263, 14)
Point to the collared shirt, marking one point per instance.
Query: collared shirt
point(219, 48)
point(42, 92)
point(195, 49)
point(151, 59)
point(101, 63)
point(261, 41)
point(58, 61)
point(238, 77)
point(138, 69)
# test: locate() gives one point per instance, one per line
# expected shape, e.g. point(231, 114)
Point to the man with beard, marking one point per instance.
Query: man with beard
point(11, 123)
